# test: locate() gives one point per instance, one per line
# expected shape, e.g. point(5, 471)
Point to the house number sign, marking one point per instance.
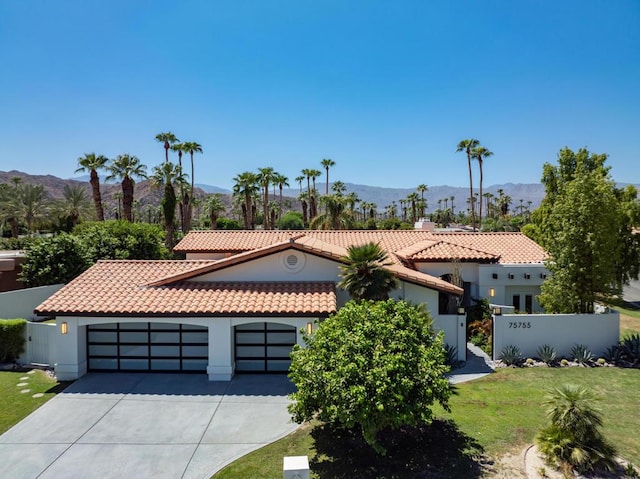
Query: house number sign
point(520, 324)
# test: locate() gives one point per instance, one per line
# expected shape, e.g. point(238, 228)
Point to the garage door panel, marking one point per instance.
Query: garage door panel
point(147, 347)
point(264, 347)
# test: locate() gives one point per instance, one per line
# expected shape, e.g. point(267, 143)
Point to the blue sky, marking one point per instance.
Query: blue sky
point(384, 88)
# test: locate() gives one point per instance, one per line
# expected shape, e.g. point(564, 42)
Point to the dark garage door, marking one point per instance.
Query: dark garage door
point(263, 347)
point(147, 347)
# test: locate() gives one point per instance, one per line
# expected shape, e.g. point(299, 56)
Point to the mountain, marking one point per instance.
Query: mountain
point(146, 195)
point(382, 197)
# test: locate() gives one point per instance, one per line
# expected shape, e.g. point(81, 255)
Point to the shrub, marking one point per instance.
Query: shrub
point(372, 365)
point(573, 438)
point(547, 354)
point(292, 220)
point(511, 356)
point(11, 339)
point(581, 354)
point(54, 260)
point(228, 224)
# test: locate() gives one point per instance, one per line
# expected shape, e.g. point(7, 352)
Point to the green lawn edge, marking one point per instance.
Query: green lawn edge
point(501, 412)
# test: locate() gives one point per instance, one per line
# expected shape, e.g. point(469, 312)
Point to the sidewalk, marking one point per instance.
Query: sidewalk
point(478, 365)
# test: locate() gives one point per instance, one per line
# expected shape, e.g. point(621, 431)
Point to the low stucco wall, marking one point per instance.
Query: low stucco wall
point(22, 302)
point(562, 331)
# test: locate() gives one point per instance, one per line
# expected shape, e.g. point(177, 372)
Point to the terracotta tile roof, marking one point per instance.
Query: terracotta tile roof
point(508, 248)
point(235, 240)
point(445, 251)
point(117, 288)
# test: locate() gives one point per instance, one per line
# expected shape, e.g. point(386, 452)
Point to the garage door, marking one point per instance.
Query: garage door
point(263, 347)
point(147, 347)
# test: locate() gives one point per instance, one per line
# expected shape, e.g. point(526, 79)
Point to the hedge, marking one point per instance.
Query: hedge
point(11, 339)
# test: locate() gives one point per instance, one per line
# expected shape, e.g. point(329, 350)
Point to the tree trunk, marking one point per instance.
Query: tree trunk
point(480, 197)
point(473, 217)
point(214, 221)
point(127, 198)
point(97, 197)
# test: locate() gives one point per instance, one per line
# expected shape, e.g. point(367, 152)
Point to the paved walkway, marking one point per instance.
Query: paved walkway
point(478, 365)
point(135, 425)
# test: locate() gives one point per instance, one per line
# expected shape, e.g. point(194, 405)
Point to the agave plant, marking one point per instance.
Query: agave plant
point(631, 347)
point(547, 354)
point(581, 354)
point(451, 355)
point(614, 354)
point(511, 355)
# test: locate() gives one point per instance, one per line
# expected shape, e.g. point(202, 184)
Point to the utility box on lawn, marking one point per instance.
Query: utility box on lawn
point(296, 467)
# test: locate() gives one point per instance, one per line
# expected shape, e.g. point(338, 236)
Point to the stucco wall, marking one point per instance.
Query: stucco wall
point(562, 331)
point(22, 302)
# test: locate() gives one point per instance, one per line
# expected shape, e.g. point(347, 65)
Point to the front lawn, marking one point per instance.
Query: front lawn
point(490, 417)
point(629, 319)
point(18, 388)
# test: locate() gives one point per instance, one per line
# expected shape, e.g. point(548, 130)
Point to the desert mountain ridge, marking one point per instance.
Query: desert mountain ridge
point(145, 194)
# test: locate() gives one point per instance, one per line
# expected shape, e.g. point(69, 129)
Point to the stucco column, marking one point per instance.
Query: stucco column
point(71, 357)
point(462, 337)
point(221, 363)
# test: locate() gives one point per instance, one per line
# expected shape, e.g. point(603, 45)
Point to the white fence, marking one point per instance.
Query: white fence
point(21, 302)
point(562, 331)
point(40, 347)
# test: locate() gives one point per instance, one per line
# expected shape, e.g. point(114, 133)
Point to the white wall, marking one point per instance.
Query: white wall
point(562, 331)
point(22, 302)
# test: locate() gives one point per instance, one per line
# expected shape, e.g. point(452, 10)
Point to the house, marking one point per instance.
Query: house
point(240, 299)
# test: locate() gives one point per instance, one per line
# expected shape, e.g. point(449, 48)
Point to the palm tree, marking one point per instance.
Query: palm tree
point(8, 205)
point(299, 180)
point(480, 153)
point(184, 197)
point(91, 163)
point(453, 211)
point(422, 189)
point(213, 206)
point(364, 273)
point(336, 216)
point(167, 139)
point(191, 147)
point(467, 146)
point(327, 163)
point(573, 437)
point(313, 201)
point(338, 187)
point(265, 178)
point(246, 187)
point(167, 175)
point(281, 181)
point(32, 204)
point(127, 167)
point(74, 204)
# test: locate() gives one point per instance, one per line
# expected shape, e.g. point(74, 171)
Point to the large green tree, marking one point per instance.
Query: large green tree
point(372, 365)
point(336, 215)
point(364, 273)
point(586, 224)
point(91, 163)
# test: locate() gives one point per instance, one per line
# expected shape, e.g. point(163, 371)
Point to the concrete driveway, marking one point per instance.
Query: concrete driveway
point(137, 425)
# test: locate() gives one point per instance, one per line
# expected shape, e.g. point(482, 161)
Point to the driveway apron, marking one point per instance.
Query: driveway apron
point(139, 425)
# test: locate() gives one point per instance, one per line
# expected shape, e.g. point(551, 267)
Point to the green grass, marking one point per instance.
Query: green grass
point(490, 417)
point(15, 405)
